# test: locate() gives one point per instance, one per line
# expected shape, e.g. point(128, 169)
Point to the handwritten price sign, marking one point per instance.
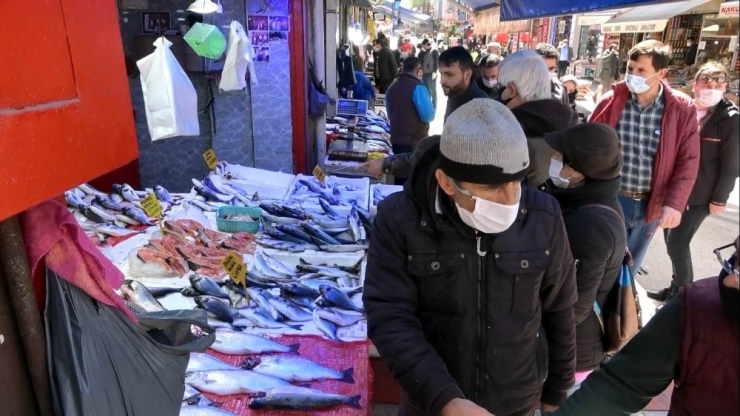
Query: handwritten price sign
point(210, 158)
point(319, 174)
point(235, 268)
point(152, 206)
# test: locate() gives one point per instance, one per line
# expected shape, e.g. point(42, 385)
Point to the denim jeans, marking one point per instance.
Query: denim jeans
point(639, 233)
point(431, 85)
point(677, 242)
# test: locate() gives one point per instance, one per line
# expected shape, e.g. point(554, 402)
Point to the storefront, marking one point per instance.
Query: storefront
point(719, 37)
point(512, 35)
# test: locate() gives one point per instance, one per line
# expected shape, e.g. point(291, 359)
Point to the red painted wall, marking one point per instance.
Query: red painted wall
point(298, 41)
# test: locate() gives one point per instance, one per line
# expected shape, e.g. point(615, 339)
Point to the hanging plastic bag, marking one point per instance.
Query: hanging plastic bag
point(206, 40)
point(239, 60)
point(169, 97)
point(102, 363)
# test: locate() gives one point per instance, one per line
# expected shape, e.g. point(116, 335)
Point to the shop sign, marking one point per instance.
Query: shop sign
point(648, 26)
point(489, 22)
point(729, 9)
point(593, 20)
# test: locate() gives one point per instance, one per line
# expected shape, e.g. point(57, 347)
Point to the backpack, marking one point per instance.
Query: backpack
point(620, 316)
point(317, 97)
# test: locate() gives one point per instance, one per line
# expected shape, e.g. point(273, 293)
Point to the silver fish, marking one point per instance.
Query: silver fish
point(240, 343)
point(326, 327)
point(73, 200)
point(262, 320)
point(340, 318)
point(203, 362)
point(162, 194)
point(204, 206)
point(114, 230)
point(261, 297)
point(315, 283)
point(280, 245)
point(292, 312)
point(118, 199)
point(276, 265)
point(103, 213)
point(137, 214)
point(208, 286)
point(89, 190)
point(189, 392)
point(127, 192)
point(126, 220)
point(339, 298)
point(204, 411)
point(295, 369)
point(265, 268)
point(355, 226)
point(107, 203)
point(228, 382)
point(279, 220)
point(301, 398)
point(330, 223)
point(138, 294)
point(344, 248)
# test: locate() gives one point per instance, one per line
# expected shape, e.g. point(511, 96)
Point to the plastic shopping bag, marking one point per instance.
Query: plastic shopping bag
point(169, 97)
point(102, 363)
point(238, 60)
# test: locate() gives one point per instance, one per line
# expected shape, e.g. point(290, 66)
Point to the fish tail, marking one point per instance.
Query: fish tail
point(296, 327)
point(354, 402)
point(215, 404)
point(347, 376)
point(293, 348)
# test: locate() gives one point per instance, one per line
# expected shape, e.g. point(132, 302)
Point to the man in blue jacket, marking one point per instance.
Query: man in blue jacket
point(363, 89)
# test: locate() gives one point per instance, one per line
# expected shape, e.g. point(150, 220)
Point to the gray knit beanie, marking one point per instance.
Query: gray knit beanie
point(482, 142)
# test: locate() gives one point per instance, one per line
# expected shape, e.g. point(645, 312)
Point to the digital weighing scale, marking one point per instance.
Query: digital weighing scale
point(351, 147)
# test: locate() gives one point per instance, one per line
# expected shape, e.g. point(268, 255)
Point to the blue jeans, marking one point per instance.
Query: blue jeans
point(431, 85)
point(639, 234)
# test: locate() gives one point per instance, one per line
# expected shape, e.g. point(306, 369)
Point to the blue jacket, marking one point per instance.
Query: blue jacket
point(363, 88)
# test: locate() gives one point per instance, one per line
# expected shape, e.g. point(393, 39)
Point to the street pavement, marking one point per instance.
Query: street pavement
point(716, 231)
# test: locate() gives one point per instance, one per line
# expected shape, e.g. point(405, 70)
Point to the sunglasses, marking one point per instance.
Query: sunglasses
point(719, 79)
point(726, 266)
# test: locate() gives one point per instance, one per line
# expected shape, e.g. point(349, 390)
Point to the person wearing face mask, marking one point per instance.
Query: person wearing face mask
point(386, 68)
point(692, 48)
point(659, 136)
point(525, 88)
point(719, 167)
point(551, 56)
point(488, 78)
point(584, 178)
point(693, 341)
point(570, 84)
point(429, 58)
point(607, 69)
point(456, 69)
point(470, 282)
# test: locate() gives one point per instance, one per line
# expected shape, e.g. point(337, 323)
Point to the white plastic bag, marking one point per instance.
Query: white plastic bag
point(169, 97)
point(238, 60)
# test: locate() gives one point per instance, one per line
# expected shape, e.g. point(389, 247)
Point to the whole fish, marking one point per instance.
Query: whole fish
point(315, 283)
point(261, 297)
point(317, 233)
point(340, 318)
point(377, 196)
point(355, 227)
point(73, 200)
point(127, 192)
point(138, 294)
point(296, 369)
point(159, 292)
point(328, 209)
point(189, 292)
point(87, 211)
point(326, 327)
point(220, 310)
point(263, 320)
point(331, 271)
point(345, 248)
point(202, 410)
point(118, 199)
point(114, 230)
point(103, 213)
point(329, 223)
point(217, 184)
point(208, 286)
point(209, 193)
point(228, 382)
point(88, 189)
point(301, 398)
point(297, 289)
point(279, 220)
point(297, 235)
point(204, 206)
point(107, 203)
point(339, 298)
point(163, 195)
point(275, 265)
point(280, 245)
point(259, 280)
point(137, 215)
point(314, 275)
point(291, 311)
point(334, 232)
point(204, 362)
point(215, 323)
point(126, 220)
point(198, 401)
point(240, 343)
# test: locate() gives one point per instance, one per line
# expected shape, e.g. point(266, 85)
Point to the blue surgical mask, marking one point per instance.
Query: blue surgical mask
point(638, 84)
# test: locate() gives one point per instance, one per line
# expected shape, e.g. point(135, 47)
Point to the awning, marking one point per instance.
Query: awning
point(530, 9)
point(407, 15)
point(478, 5)
point(646, 19)
point(359, 3)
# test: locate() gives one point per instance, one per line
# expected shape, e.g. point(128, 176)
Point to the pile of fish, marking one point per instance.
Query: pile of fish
point(186, 245)
point(296, 229)
point(102, 215)
point(267, 378)
point(310, 191)
point(381, 193)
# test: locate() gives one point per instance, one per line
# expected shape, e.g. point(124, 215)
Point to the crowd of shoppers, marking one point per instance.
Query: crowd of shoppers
point(490, 276)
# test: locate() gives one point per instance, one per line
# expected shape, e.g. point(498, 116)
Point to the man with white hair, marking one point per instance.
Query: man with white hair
point(493, 48)
point(526, 89)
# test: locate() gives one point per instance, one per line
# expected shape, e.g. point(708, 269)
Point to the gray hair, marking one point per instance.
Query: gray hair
point(528, 72)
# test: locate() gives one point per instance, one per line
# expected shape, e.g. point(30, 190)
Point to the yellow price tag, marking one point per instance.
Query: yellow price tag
point(235, 268)
point(319, 174)
point(210, 158)
point(152, 206)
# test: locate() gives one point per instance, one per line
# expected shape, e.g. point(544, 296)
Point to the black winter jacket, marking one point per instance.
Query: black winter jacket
point(720, 156)
point(598, 242)
point(386, 67)
point(456, 314)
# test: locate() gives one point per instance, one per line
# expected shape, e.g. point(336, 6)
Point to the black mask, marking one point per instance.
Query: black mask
point(498, 90)
point(572, 96)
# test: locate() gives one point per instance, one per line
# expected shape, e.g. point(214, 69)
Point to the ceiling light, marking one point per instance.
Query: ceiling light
point(203, 7)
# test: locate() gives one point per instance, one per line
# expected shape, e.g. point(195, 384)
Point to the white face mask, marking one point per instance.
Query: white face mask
point(489, 83)
point(489, 217)
point(688, 44)
point(637, 84)
point(709, 98)
point(556, 167)
point(404, 55)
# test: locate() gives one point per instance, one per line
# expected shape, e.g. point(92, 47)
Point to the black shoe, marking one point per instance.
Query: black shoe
point(663, 295)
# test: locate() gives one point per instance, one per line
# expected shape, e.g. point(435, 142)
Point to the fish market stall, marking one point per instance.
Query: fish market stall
point(300, 242)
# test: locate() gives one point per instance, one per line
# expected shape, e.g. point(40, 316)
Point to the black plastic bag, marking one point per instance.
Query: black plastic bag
point(101, 363)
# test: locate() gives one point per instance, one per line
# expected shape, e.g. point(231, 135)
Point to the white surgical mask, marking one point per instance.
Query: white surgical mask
point(404, 55)
point(556, 167)
point(489, 83)
point(637, 84)
point(376, 48)
point(489, 217)
point(709, 98)
point(688, 44)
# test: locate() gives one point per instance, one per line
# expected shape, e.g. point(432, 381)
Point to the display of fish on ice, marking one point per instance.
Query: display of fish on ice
point(300, 398)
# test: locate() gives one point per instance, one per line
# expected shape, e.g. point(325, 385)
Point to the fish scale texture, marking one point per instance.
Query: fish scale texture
point(335, 355)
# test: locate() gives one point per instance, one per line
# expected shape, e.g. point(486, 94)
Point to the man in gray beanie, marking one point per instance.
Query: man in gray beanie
point(470, 282)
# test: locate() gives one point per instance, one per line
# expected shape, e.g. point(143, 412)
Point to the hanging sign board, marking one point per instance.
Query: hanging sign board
point(729, 9)
point(648, 26)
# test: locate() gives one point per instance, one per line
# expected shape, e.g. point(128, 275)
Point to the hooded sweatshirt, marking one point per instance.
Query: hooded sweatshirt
point(537, 118)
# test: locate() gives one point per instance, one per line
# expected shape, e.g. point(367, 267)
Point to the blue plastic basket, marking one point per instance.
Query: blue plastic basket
point(230, 226)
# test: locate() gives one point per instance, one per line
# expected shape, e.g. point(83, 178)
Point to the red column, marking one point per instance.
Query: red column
point(297, 41)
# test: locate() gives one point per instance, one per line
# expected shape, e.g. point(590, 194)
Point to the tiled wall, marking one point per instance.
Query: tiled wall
point(173, 162)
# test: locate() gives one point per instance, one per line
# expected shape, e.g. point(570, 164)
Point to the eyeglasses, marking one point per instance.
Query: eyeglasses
point(726, 266)
point(719, 79)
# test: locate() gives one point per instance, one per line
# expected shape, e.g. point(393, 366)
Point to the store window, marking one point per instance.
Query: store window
point(718, 40)
point(589, 46)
